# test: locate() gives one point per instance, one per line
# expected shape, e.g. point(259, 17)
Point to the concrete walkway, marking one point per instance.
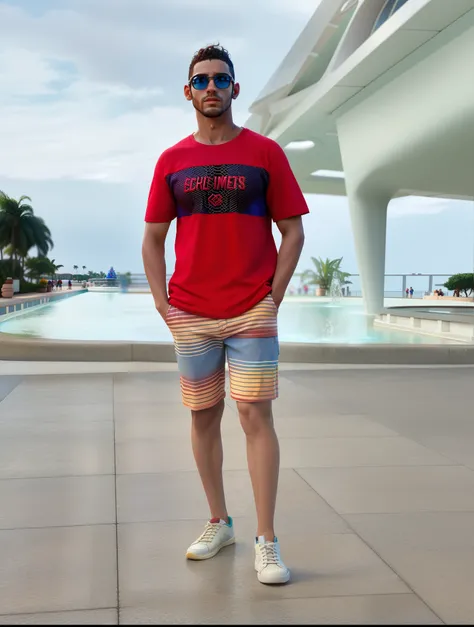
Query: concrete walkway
point(99, 499)
point(24, 298)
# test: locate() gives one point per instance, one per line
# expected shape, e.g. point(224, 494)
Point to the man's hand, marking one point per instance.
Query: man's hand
point(277, 299)
point(292, 239)
point(153, 250)
point(163, 309)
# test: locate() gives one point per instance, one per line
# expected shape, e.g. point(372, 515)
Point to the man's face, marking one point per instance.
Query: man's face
point(211, 101)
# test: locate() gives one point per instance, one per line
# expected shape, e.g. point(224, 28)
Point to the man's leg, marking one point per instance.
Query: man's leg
point(203, 388)
point(207, 448)
point(254, 384)
point(263, 456)
point(201, 362)
point(253, 351)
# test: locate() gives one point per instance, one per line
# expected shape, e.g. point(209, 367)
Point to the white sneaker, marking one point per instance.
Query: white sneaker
point(216, 535)
point(270, 569)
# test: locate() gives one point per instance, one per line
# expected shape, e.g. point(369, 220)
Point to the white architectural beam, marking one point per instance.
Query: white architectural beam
point(369, 226)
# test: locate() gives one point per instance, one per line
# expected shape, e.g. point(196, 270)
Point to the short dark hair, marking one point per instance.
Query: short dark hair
point(209, 53)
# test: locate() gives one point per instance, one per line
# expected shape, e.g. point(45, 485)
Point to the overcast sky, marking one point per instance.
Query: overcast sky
point(91, 93)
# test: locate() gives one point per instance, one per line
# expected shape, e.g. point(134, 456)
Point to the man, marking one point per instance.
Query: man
point(225, 185)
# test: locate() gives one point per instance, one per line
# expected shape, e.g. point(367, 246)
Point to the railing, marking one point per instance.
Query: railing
point(140, 281)
point(105, 282)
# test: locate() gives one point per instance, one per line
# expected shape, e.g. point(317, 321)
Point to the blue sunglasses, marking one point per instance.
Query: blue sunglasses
point(201, 81)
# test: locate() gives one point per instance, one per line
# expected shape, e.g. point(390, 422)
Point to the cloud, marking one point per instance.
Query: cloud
point(290, 8)
point(146, 46)
point(147, 41)
point(145, 10)
point(78, 139)
point(56, 124)
point(93, 90)
point(91, 93)
point(15, 65)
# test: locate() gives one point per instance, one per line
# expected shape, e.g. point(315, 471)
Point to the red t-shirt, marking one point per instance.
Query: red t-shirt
point(224, 198)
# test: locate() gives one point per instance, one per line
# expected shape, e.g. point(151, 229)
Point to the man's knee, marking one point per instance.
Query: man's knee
point(255, 416)
point(205, 419)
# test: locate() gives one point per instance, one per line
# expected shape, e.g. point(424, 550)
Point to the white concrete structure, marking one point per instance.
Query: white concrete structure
point(384, 91)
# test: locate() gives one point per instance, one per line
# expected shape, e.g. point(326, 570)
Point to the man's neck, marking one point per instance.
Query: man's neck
point(215, 130)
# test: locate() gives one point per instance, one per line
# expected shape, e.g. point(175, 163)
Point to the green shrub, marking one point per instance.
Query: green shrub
point(28, 287)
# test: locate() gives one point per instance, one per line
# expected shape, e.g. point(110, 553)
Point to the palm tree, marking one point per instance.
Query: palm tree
point(55, 267)
point(325, 273)
point(75, 268)
point(38, 266)
point(21, 229)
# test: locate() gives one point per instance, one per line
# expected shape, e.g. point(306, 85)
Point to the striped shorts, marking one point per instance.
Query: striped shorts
point(251, 344)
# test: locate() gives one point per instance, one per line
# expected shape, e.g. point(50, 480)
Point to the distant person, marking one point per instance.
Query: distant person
point(411, 292)
point(69, 284)
point(407, 292)
point(305, 289)
point(225, 185)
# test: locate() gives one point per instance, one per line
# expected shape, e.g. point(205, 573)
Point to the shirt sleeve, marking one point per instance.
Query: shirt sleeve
point(284, 196)
point(161, 205)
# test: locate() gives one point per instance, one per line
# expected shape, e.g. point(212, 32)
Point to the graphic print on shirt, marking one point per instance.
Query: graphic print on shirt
point(218, 189)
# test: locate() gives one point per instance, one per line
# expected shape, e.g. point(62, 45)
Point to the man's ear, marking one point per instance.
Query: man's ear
point(236, 91)
point(187, 92)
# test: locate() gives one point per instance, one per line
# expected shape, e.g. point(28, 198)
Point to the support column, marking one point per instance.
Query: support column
point(369, 225)
point(430, 285)
point(404, 285)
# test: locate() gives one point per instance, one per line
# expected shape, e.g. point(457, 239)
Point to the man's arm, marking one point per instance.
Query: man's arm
point(153, 253)
point(292, 233)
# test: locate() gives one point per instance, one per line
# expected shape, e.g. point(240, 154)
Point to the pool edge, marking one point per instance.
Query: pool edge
point(18, 348)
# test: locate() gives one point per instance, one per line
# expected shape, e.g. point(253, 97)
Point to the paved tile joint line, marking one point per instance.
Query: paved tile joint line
point(376, 502)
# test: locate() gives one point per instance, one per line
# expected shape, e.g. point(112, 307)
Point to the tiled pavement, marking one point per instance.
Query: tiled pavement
point(99, 499)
